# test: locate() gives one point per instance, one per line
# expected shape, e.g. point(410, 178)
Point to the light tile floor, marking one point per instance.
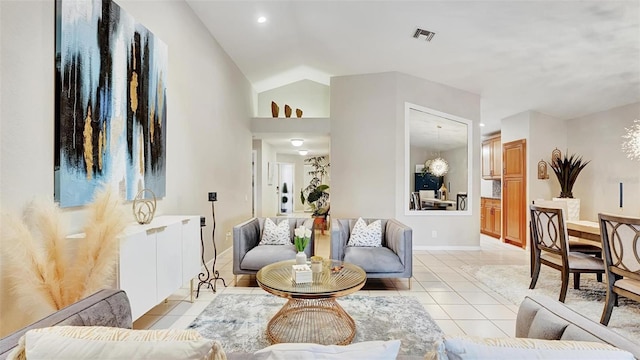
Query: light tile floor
point(454, 299)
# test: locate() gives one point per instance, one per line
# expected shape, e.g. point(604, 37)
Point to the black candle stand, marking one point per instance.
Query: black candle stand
point(209, 278)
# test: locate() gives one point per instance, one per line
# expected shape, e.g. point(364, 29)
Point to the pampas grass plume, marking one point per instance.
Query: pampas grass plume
point(34, 254)
point(44, 221)
point(24, 266)
point(97, 252)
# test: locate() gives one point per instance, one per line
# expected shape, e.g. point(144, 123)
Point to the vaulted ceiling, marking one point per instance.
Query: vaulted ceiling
point(562, 58)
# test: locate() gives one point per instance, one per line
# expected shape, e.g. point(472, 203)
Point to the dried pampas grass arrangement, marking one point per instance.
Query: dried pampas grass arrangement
point(43, 272)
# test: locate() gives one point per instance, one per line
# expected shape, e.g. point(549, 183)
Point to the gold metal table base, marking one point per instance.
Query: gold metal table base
point(319, 321)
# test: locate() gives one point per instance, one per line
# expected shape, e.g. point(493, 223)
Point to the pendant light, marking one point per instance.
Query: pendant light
point(439, 166)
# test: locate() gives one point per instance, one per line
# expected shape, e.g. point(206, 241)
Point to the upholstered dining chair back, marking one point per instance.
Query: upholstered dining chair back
point(621, 246)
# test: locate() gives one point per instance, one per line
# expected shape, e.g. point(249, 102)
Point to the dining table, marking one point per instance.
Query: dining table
point(585, 230)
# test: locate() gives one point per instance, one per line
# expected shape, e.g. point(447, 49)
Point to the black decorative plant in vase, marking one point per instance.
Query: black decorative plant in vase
point(567, 169)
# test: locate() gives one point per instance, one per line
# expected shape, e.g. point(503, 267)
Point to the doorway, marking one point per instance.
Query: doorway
point(284, 189)
point(514, 195)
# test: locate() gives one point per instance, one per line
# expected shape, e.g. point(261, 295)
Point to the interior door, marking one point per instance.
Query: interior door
point(514, 198)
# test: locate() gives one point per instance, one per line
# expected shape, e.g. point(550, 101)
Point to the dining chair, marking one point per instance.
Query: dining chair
point(551, 248)
point(575, 244)
point(621, 245)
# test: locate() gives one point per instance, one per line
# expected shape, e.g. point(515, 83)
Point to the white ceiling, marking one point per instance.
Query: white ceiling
point(562, 58)
point(314, 143)
point(435, 132)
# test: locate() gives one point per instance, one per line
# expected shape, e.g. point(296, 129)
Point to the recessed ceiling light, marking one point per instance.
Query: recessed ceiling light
point(303, 152)
point(481, 124)
point(297, 142)
point(262, 19)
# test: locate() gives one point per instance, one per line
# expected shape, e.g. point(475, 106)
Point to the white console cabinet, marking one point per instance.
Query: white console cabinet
point(157, 259)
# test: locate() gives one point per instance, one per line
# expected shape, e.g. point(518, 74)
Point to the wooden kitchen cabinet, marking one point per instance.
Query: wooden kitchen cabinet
point(490, 217)
point(492, 158)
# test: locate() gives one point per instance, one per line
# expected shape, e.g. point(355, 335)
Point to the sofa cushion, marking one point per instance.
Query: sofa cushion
point(260, 256)
point(366, 235)
point(469, 347)
point(373, 259)
point(370, 350)
point(546, 325)
point(99, 342)
point(276, 234)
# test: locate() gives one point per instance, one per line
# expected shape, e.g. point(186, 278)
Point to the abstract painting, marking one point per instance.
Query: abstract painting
point(111, 103)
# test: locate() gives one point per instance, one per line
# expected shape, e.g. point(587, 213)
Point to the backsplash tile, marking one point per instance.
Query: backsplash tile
point(497, 189)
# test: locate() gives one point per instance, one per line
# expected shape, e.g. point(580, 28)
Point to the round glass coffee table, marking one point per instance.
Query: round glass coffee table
point(312, 314)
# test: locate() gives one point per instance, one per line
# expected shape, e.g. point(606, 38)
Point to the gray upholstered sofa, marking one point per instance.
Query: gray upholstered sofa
point(541, 317)
point(392, 260)
point(104, 308)
point(538, 317)
point(248, 258)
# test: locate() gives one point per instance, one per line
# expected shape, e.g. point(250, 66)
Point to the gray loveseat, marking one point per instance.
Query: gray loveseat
point(392, 260)
point(104, 308)
point(248, 257)
point(540, 317)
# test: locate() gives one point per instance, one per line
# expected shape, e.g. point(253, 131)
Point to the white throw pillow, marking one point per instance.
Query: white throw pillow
point(98, 342)
point(276, 234)
point(363, 235)
point(470, 347)
point(370, 350)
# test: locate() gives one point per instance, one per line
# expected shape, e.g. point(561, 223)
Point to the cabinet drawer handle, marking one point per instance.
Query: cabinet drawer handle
point(156, 229)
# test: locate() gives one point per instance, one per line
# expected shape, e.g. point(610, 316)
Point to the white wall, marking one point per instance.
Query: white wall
point(545, 134)
point(461, 231)
point(457, 178)
point(269, 198)
point(368, 175)
point(598, 138)
point(209, 106)
point(363, 119)
point(309, 96)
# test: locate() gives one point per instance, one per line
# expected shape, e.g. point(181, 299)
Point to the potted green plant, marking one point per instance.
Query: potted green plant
point(567, 170)
point(316, 194)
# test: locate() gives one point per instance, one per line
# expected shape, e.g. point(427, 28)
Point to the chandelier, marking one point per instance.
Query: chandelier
point(438, 166)
point(632, 143)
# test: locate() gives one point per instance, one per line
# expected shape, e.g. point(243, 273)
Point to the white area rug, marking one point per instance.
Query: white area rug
point(239, 322)
point(512, 282)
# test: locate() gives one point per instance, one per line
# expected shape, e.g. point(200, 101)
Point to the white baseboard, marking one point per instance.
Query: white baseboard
point(448, 247)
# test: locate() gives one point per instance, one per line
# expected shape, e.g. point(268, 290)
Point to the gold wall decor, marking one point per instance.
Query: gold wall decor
point(542, 170)
point(144, 209)
point(556, 154)
point(287, 110)
point(275, 109)
point(299, 113)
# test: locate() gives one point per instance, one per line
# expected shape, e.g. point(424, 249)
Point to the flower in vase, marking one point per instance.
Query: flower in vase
point(301, 239)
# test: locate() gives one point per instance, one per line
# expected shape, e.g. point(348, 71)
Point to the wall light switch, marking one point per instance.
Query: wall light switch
point(434, 234)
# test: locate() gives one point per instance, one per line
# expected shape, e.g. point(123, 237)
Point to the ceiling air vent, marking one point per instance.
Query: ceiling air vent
point(427, 34)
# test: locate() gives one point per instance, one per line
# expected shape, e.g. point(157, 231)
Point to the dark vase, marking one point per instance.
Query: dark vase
point(275, 109)
point(287, 110)
point(299, 113)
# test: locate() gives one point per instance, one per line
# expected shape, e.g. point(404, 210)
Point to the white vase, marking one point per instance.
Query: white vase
point(573, 208)
point(301, 258)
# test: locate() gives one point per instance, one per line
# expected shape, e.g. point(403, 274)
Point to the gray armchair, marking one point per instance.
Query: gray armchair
point(392, 260)
point(248, 257)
